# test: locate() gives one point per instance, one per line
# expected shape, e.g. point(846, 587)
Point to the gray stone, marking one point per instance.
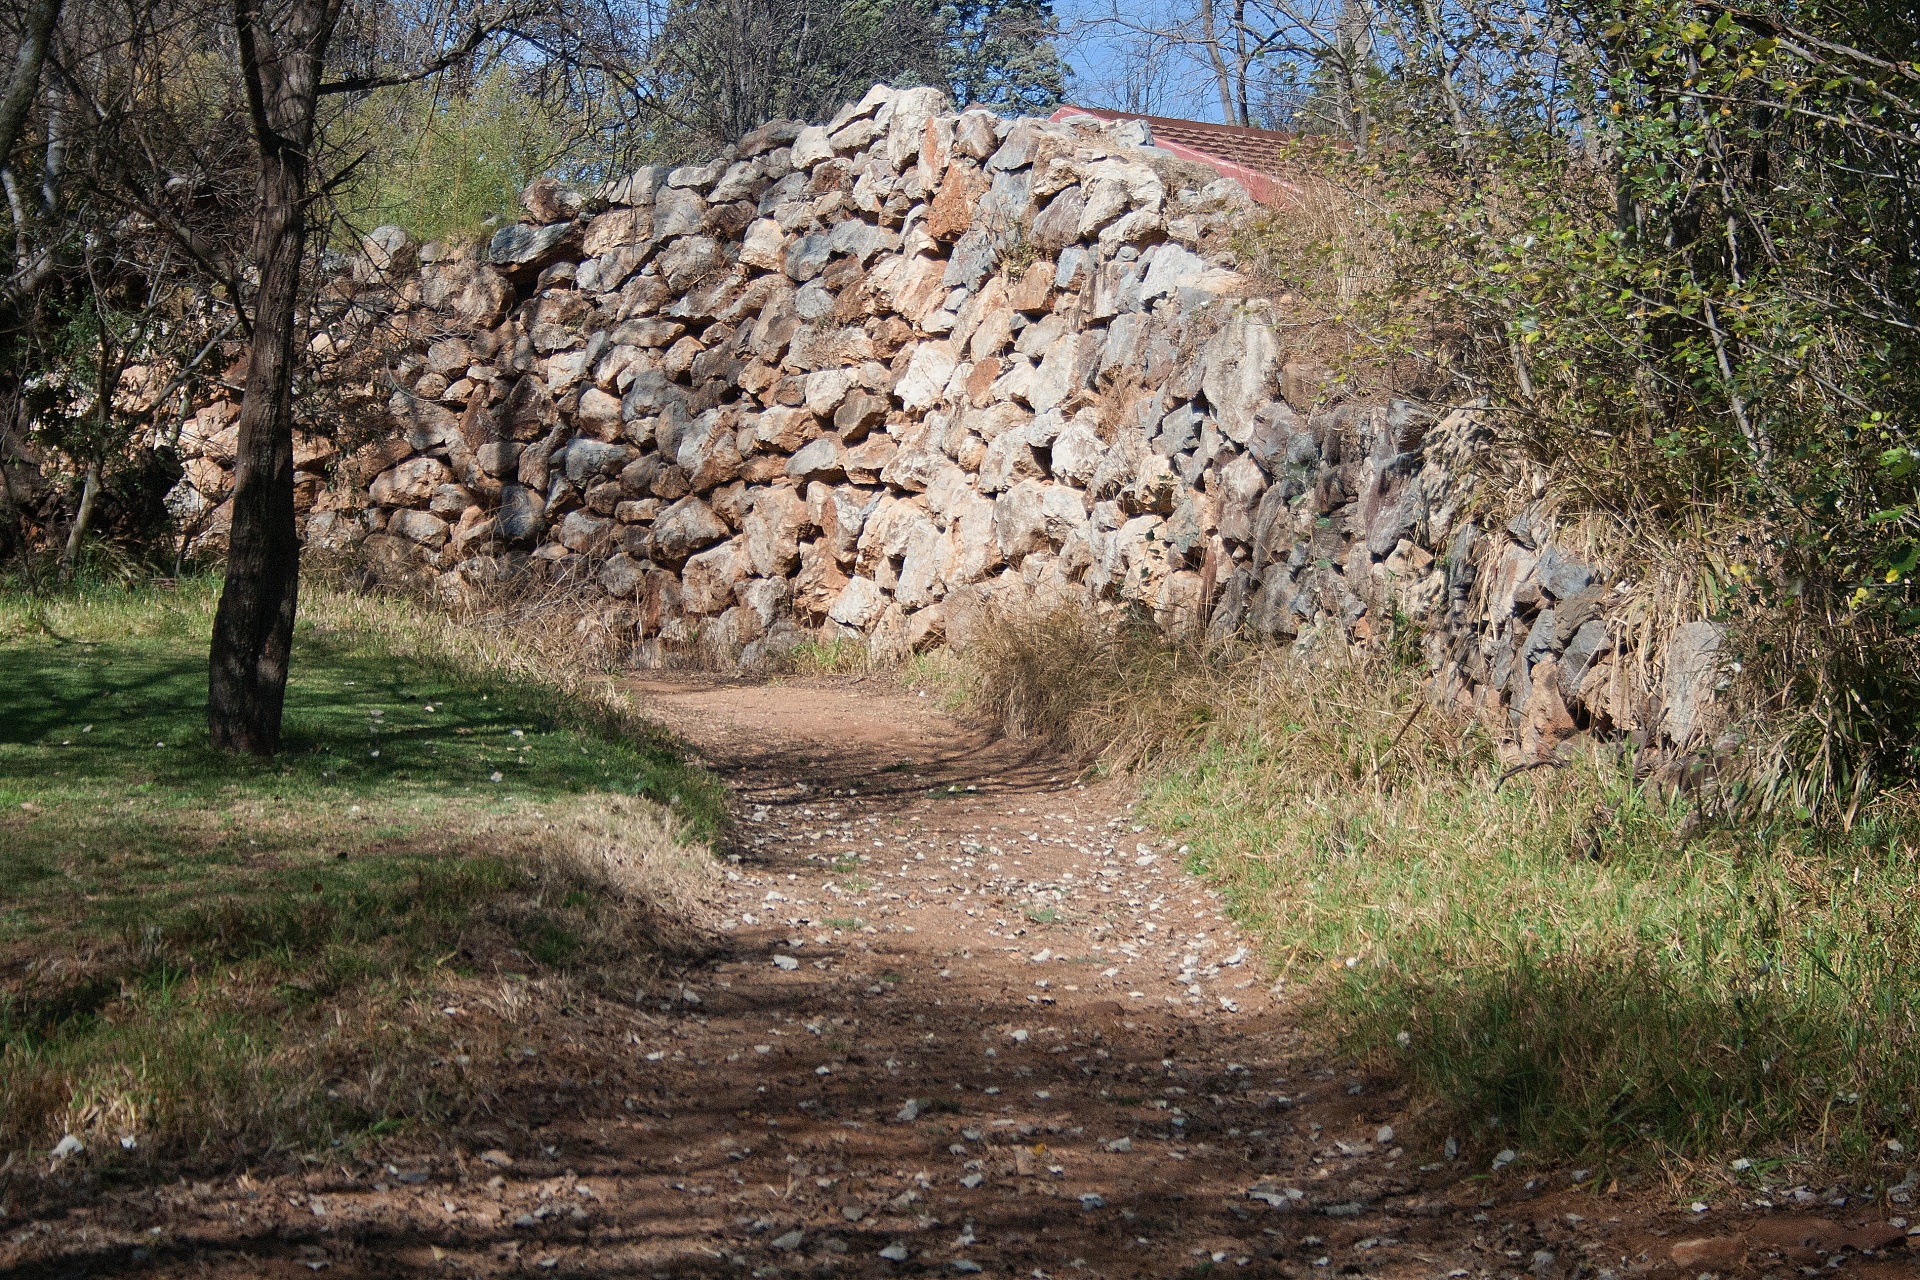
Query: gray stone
point(410, 483)
point(522, 513)
point(422, 527)
point(582, 532)
point(1009, 459)
point(1178, 431)
point(822, 459)
point(1561, 576)
point(677, 213)
point(974, 257)
point(1588, 643)
point(1238, 371)
point(772, 531)
point(860, 604)
point(1077, 451)
point(1065, 369)
point(622, 575)
point(807, 257)
point(588, 458)
point(1692, 667)
point(861, 239)
point(686, 527)
point(708, 578)
point(688, 260)
point(522, 246)
point(1059, 223)
point(924, 383)
point(1019, 520)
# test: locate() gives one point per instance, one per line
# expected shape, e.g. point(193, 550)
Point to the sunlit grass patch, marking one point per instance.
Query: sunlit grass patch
point(192, 941)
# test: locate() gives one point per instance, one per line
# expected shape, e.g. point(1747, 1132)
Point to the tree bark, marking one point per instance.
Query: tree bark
point(253, 626)
point(41, 18)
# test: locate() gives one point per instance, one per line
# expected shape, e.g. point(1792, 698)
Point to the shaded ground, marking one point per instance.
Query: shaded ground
point(964, 1017)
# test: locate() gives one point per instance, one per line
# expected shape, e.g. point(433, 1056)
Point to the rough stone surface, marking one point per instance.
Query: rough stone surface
point(880, 376)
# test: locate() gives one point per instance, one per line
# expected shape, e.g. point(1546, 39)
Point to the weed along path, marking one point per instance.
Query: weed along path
point(962, 1015)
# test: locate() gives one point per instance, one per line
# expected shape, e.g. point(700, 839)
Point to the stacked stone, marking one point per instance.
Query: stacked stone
point(867, 377)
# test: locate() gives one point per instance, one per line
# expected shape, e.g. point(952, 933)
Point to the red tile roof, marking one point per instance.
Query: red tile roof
point(1252, 157)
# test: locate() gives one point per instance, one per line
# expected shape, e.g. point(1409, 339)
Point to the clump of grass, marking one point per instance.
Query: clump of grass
point(1566, 961)
point(211, 957)
point(1112, 686)
point(840, 656)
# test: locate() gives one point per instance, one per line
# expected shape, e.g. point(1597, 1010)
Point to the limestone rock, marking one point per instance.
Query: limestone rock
point(686, 527)
point(410, 484)
point(859, 605)
point(1238, 369)
point(772, 531)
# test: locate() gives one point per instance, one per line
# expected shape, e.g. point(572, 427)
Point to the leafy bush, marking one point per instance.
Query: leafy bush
point(1681, 265)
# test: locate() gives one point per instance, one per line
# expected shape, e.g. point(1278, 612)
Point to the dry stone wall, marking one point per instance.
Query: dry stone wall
point(867, 379)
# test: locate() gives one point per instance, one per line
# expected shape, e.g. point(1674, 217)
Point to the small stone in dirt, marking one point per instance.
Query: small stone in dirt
point(412, 1178)
point(965, 1266)
point(496, 1157)
point(68, 1146)
point(1711, 1252)
point(786, 962)
point(1092, 1200)
point(788, 1242)
point(895, 1252)
point(1122, 1145)
point(971, 1181)
point(1505, 1158)
point(910, 1112)
point(853, 1212)
point(526, 1220)
point(1384, 1135)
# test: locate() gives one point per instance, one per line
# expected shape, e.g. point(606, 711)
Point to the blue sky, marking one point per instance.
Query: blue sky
point(1102, 65)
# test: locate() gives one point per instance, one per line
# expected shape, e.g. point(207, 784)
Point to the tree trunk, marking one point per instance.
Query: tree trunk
point(253, 627)
point(77, 535)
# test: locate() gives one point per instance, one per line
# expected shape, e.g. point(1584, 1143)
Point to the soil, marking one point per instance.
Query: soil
point(964, 1015)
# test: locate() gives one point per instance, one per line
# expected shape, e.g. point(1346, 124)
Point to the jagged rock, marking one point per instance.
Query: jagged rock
point(548, 201)
point(1560, 575)
point(951, 213)
point(810, 147)
point(689, 259)
point(925, 381)
point(622, 576)
point(823, 459)
point(1238, 369)
point(807, 257)
point(859, 604)
point(686, 527)
point(529, 248)
point(1019, 520)
point(772, 531)
point(522, 513)
point(1692, 665)
point(583, 533)
point(708, 579)
point(409, 484)
point(420, 527)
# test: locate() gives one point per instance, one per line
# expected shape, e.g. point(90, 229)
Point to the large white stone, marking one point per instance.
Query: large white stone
point(926, 377)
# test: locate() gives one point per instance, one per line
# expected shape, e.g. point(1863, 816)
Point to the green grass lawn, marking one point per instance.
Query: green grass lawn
point(186, 937)
point(1573, 964)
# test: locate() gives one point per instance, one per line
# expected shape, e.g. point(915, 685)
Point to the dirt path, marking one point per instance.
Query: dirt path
point(971, 1018)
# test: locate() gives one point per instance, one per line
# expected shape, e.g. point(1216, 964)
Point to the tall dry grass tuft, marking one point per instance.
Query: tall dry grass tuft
point(1112, 686)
